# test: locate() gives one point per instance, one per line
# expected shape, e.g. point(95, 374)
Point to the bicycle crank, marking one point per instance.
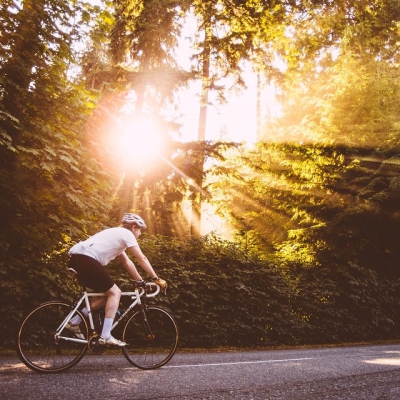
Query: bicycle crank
point(94, 346)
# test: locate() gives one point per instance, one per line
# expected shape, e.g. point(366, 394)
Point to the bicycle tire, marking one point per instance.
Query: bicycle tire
point(36, 345)
point(146, 353)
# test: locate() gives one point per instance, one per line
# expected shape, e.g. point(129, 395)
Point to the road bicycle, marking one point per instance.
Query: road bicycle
point(150, 332)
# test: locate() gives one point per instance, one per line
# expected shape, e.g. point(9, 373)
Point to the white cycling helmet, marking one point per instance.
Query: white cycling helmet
point(133, 219)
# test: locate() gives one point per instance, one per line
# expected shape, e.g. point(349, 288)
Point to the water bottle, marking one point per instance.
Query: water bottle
point(117, 315)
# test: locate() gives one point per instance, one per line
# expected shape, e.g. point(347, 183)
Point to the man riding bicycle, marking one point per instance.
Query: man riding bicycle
point(89, 258)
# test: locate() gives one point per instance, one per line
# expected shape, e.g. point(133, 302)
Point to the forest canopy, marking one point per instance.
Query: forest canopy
point(307, 216)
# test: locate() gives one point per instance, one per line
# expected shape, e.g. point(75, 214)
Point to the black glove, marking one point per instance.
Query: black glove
point(140, 284)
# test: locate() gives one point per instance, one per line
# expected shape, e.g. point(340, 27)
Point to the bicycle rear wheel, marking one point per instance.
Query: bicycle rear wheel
point(37, 346)
point(147, 352)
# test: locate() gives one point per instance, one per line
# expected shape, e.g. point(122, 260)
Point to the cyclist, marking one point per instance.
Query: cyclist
point(89, 258)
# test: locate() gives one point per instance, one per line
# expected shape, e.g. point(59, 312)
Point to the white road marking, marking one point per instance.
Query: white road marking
point(236, 363)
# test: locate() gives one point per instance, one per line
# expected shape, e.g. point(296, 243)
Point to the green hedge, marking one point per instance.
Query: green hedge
point(223, 296)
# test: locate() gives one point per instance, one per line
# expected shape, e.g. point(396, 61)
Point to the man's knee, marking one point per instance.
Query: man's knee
point(115, 291)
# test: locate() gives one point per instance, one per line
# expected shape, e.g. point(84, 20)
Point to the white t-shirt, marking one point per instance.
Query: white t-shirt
point(106, 245)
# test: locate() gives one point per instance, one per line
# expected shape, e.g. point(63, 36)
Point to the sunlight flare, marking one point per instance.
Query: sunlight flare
point(137, 141)
point(384, 361)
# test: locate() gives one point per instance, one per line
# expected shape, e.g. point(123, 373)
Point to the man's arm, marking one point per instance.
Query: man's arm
point(130, 267)
point(142, 261)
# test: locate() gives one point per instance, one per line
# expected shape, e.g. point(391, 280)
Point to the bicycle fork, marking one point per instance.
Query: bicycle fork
point(149, 333)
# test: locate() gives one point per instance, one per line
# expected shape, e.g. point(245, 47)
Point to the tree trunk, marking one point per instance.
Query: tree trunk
point(258, 111)
point(195, 227)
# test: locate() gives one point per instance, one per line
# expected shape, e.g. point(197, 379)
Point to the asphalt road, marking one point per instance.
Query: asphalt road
point(356, 372)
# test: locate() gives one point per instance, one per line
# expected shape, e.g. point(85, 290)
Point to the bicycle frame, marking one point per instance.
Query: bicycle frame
point(135, 295)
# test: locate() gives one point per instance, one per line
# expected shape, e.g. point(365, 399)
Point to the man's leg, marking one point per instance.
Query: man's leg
point(97, 302)
point(113, 297)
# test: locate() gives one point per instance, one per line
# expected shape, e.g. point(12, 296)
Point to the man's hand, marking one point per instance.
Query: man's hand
point(140, 284)
point(160, 282)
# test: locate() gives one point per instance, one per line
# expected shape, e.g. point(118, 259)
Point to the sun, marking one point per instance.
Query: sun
point(137, 141)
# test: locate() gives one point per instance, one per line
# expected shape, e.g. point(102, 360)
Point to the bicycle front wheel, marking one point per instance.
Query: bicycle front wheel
point(40, 349)
point(150, 349)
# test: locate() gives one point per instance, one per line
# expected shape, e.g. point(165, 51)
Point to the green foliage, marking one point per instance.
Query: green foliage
point(46, 171)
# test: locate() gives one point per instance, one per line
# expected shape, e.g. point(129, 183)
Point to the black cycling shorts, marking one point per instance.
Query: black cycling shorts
point(92, 272)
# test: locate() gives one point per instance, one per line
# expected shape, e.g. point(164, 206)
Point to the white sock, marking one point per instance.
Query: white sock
point(107, 325)
point(77, 319)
